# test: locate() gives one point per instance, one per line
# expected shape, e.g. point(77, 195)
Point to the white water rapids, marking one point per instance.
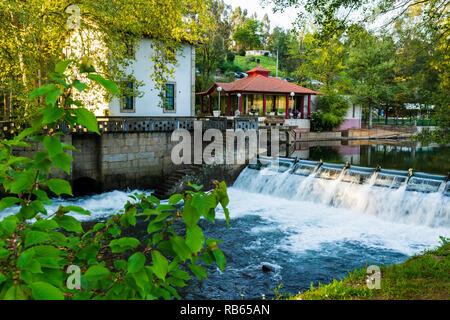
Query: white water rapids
point(314, 211)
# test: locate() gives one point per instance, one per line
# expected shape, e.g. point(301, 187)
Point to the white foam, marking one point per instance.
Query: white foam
point(313, 212)
point(100, 205)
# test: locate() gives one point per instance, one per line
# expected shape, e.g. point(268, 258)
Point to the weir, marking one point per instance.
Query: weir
point(400, 196)
point(413, 181)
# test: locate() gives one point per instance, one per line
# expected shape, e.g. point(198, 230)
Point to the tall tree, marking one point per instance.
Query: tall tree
point(265, 25)
point(249, 35)
point(373, 69)
point(34, 34)
point(321, 60)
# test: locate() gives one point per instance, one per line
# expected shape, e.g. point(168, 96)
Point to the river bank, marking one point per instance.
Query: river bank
point(422, 277)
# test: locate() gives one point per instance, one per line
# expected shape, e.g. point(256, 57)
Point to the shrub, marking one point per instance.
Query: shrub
point(331, 108)
point(230, 56)
point(38, 248)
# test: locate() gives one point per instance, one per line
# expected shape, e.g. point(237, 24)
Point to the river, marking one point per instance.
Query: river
point(305, 230)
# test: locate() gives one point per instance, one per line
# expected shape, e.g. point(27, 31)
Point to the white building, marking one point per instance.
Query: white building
point(258, 53)
point(180, 87)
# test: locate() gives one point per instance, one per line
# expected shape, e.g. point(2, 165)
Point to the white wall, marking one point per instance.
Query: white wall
point(183, 77)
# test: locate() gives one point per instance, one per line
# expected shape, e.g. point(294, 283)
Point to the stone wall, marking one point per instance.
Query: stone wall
point(123, 160)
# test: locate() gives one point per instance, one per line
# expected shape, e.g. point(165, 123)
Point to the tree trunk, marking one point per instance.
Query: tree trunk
point(370, 116)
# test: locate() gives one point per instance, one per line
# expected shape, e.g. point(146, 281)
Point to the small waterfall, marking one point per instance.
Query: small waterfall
point(388, 194)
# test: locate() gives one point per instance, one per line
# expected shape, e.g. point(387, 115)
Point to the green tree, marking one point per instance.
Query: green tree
point(249, 35)
point(373, 71)
point(35, 34)
point(321, 60)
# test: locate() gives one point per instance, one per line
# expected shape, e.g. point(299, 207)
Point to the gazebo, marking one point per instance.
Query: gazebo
point(258, 83)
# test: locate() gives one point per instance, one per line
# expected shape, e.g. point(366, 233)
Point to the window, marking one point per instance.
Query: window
point(170, 97)
point(127, 101)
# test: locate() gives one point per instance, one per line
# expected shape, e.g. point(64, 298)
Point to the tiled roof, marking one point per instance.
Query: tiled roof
point(259, 84)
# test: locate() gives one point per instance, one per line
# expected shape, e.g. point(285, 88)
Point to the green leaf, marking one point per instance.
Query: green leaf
point(2, 278)
point(15, 292)
point(199, 271)
point(8, 202)
point(203, 203)
point(27, 262)
point(122, 244)
point(22, 181)
point(62, 161)
point(195, 186)
point(77, 209)
point(4, 253)
point(195, 238)
point(45, 291)
point(107, 84)
point(190, 214)
point(155, 226)
point(41, 161)
point(43, 90)
point(52, 96)
point(59, 186)
point(220, 259)
point(35, 237)
point(27, 212)
point(160, 264)
point(45, 225)
point(180, 274)
point(69, 223)
point(80, 86)
point(87, 119)
point(97, 273)
point(136, 262)
point(61, 66)
point(121, 265)
point(175, 198)
point(9, 224)
point(42, 196)
point(180, 247)
point(51, 113)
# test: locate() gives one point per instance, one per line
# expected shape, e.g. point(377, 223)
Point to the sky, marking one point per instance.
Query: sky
point(284, 19)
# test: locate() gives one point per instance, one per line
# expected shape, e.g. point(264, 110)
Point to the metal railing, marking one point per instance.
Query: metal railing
point(403, 122)
point(147, 124)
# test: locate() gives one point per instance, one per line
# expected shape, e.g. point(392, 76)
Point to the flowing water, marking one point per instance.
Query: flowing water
point(309, 224)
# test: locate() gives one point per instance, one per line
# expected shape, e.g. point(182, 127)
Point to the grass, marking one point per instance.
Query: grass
point(266, 62)
point(422, 277)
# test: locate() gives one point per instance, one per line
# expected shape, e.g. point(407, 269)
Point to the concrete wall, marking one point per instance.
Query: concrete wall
point(183, 78)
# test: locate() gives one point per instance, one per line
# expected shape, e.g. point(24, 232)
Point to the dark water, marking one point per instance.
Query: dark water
point(394, 154)
point(247, 252)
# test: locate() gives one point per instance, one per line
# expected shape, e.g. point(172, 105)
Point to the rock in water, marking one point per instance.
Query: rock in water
point(266, 268)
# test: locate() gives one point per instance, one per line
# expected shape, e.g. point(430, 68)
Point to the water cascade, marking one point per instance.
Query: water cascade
point(401, 196)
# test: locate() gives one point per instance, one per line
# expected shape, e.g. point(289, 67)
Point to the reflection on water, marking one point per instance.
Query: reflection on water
point(392, 154)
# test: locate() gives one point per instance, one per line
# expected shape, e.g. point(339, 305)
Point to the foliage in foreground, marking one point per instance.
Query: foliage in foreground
point(38, 248)
point(425, 276)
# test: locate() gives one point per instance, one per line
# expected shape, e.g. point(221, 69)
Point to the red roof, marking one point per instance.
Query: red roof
point(259, 84)
point(258, 81)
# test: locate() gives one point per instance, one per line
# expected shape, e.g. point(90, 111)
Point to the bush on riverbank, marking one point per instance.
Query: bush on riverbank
point(422, 277)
